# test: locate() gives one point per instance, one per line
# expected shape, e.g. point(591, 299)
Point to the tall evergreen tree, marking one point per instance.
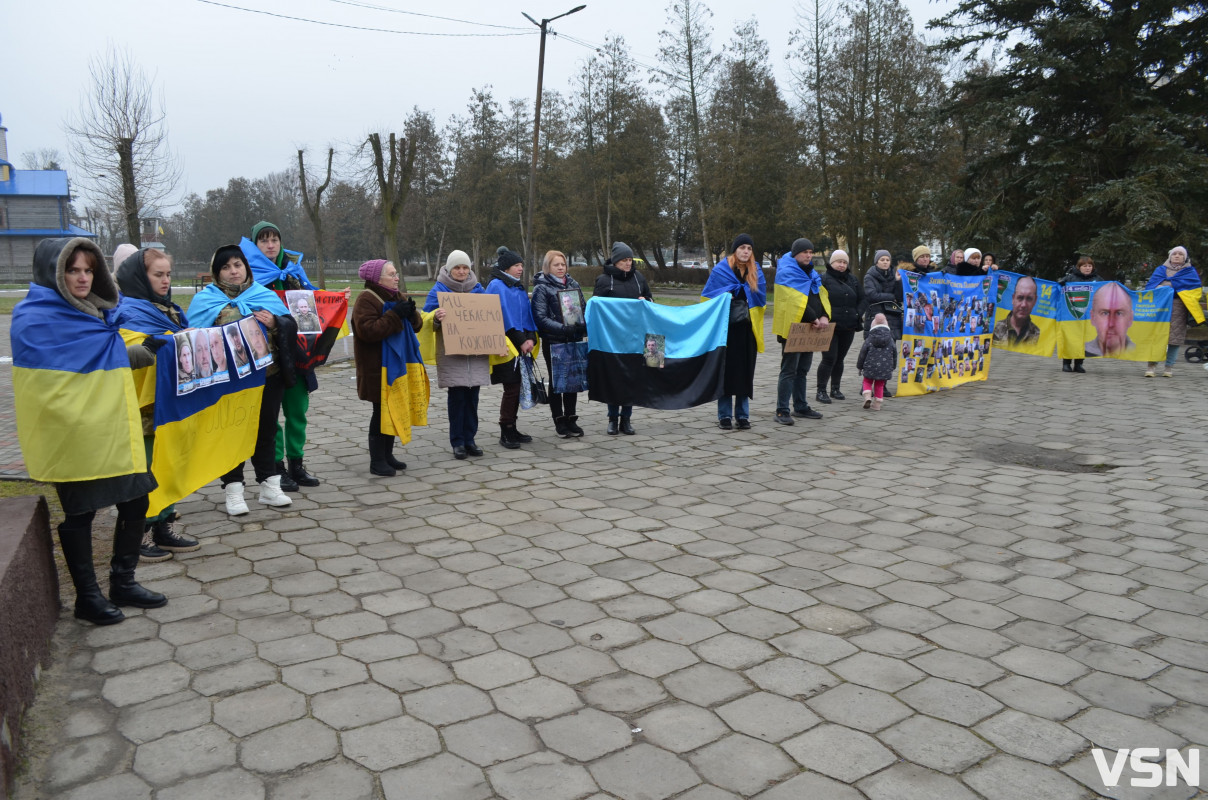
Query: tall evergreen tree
point(1101, 108)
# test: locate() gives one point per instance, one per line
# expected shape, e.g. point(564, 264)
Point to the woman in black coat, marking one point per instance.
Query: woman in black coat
point(1084, 270)
point(550, 314)
point(883, 293)
point(847, 312)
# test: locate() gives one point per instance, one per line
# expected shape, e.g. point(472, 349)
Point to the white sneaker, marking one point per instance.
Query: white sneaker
point(235, 506)
point(271, 494)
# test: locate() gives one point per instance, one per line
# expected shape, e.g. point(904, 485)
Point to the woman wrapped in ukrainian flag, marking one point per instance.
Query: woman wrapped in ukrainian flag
point(78, 416)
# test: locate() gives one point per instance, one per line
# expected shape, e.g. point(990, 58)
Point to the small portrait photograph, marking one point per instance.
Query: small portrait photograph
point(910, 315)
point(905, 376)
point(243, 362)
point(926, 356)
point(911, 363)
point(920, 323)
point(920, 299)
point(960, 370)
point(203, 365)
point(918, 374)
point(302, 308)
point(931, 370)
point(186, 375)
point(935, 297)
point(973, 368)
point(909, 302)
point(905, 349)
point(981, 362)
point(918, 348)
point(253, 334)
point(218, 356)
point(655, 351)
point(986, 344)
point(572, 313)
point(943, 367)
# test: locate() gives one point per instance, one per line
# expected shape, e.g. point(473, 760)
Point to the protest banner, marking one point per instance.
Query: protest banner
point(945, 331)
point(473, 324)
point(320, 316)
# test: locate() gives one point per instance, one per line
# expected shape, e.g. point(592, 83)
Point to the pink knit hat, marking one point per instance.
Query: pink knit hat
point(372, 270)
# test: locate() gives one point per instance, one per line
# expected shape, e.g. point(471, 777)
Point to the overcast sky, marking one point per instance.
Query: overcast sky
point(244, 91)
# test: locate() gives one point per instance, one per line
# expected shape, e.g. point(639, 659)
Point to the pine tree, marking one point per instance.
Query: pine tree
point(1099, 110)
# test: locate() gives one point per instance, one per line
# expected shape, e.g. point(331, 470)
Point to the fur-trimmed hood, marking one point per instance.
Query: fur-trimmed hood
point(50, 270)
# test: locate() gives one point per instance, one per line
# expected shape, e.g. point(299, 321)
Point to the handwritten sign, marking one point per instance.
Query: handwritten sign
point(805, 338)
point(473, 324)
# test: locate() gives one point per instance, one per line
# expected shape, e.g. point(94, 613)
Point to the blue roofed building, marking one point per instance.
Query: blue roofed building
point(34, 205)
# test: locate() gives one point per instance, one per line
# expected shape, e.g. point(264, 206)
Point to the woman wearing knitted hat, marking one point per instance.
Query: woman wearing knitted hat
point(461, 375)
point(371, 325)
point(740, 276)
point(507, 281)
point(847, 312)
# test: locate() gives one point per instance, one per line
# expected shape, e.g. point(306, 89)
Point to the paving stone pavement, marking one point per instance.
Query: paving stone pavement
point(957, 597)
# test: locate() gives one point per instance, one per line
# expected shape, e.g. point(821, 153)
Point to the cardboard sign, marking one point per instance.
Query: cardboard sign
point(805, 338)
point(473, 324)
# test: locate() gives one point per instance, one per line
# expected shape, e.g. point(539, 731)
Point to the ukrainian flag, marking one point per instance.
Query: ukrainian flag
point(694, 339)
point(1186, 284)
point(722, 280)
point(137, 320)
point(202, 435)
point(77, 411)
point(405, 386)
point(794, 285)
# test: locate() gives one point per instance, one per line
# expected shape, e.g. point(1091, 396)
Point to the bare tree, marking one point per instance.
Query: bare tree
point(689, 62)
point(118, 139)
point(392, 167)
point(313, 211)
point(46, 158)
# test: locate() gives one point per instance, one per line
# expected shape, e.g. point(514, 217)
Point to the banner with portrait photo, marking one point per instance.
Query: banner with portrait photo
point(946, 331)
point(320, 316)
point(1105, 319)
point(1025, 320)
point(205, 424)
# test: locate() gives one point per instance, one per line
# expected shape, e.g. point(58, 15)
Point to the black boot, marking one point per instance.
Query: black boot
point(822, 397)
point(522, 438)
point(166, 537)
point(626, 428)
point(297, 471)
point(377, 457)
point(123, 590)
point(150, 551)
point(613, 426)
point(1065, 365)
point(835, 393)
point(1078, 365)
point(390, 459)
point(572, 427)
point(287, 483)
point(560, 427)
point(508, 437)
point(90, 604)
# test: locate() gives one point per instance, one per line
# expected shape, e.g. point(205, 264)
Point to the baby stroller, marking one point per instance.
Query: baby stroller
point(1196, 350)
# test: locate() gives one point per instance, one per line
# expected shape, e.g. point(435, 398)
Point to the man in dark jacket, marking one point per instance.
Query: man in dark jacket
point(795, 271)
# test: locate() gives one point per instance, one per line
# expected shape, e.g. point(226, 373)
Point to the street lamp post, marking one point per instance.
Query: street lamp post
point(532, 198)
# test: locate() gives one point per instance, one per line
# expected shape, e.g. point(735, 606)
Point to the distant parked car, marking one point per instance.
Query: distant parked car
point(691, 265)
point(578, 262)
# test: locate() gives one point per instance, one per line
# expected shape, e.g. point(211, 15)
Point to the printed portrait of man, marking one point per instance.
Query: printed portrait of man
point(1017, 327)
point(1112, 316)
point(301, 306)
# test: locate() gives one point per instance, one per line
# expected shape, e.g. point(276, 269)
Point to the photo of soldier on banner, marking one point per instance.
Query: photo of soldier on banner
point(218, 356)
point(1026, 319)
point(320, 317)
point(243, 362)
point(203, 366)
point(1105, 319)
point(253, 334)
point(950, 314)
point(186, 377)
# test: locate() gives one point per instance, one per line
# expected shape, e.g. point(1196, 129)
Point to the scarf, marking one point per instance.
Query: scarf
point(209, 302)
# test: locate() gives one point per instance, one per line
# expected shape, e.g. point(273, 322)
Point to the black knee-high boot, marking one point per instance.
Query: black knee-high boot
point(123, 589)
point(388, 442)
point(75, 535)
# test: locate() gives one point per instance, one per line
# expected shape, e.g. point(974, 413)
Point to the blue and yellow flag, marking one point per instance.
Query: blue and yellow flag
point(77, 411)
point(205, 432)
point(645, 354)
point(265, 272)
point(723, 280)
point(1186, 284)
point(405, 386)
point(1106, 319)
point(794, 285)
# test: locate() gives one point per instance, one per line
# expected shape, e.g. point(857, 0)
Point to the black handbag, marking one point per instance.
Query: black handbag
point(739, 310)
point(538, 383)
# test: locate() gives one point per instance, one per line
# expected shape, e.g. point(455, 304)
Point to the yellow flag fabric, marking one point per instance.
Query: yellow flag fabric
point(1191, 299)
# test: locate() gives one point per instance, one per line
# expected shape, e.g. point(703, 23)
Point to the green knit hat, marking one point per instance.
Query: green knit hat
point(262, 226)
